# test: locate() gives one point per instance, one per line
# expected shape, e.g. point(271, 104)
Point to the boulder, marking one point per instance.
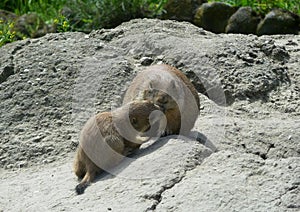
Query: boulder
point(213, 16)
point(249, 181)
point(31, 25)
point(181, 10)
point(6, 16)
point(279, 21)
point(244, 21)
point(27, 25)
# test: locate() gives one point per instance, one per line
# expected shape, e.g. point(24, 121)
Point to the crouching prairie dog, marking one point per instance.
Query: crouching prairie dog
point(109, 136)
point(169, 88)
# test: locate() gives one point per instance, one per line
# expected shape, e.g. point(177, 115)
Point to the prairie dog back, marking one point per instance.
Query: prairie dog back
point(108, 137)
point(169, 88)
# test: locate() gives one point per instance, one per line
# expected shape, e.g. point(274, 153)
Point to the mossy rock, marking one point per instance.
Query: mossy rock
point(7, 16)
point(213, 16)
point(27, 25)
point(244, 21)
point(279, 21)
point(181, 10)
point(31, 25)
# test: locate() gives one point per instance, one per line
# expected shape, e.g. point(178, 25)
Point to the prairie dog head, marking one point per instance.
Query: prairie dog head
point(139, 114)
point(159, 97)
point(139, 118)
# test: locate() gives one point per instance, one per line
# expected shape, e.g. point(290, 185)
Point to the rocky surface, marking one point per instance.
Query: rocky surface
point(250, 109)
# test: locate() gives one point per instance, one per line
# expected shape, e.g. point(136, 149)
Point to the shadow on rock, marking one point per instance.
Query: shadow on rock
point(150, 148)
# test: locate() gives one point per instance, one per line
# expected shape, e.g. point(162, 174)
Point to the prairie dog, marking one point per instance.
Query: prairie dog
point(169, 88)
point(109, 136)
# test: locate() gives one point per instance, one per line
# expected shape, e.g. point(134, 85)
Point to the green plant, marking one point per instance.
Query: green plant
point(7, 34)
point(264, 6)
point(62, 24)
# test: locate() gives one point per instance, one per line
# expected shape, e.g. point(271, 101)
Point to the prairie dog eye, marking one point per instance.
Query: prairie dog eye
point(163, 99)
point(148, 93)
point(134, 121)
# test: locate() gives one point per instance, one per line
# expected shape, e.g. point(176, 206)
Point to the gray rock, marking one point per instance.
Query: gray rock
point(244, 21)
point(243, 153)
point(213, 16)
point(259, 70)
point(127, 188)
point(230, 181)
point(279, 21)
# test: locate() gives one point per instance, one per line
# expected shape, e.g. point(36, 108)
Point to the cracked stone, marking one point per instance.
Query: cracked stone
point(223, 183)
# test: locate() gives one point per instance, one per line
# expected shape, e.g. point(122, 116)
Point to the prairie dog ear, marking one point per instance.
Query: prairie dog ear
point(148, 90)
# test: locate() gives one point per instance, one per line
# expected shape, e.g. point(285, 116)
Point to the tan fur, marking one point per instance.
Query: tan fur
point(107, 137)
point(168, 87)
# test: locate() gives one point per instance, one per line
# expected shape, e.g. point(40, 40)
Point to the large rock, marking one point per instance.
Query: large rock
point(244, 20)
point(7, 16)
point(250, 112)
point(213, 16)
point(27, 25)
point(230, 181)
point(181, 10)
point(133, 188)
point(31, 25)
point(279, 21)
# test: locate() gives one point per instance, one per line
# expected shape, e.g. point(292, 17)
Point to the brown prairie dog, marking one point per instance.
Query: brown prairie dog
point(169, 88)
point(109, 136)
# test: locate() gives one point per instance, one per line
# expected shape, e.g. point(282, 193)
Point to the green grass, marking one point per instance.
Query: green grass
point(264, 6)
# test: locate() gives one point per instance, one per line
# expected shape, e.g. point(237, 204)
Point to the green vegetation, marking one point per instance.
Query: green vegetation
point(62, 24)
point(47, 10)
point(7, 34)
point(93, 14)
point(264, 6)
point(86, 15)
point(78, 15)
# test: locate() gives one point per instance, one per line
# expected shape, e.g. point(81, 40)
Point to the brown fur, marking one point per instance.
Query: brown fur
point(107, 137)
point(168, 87)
